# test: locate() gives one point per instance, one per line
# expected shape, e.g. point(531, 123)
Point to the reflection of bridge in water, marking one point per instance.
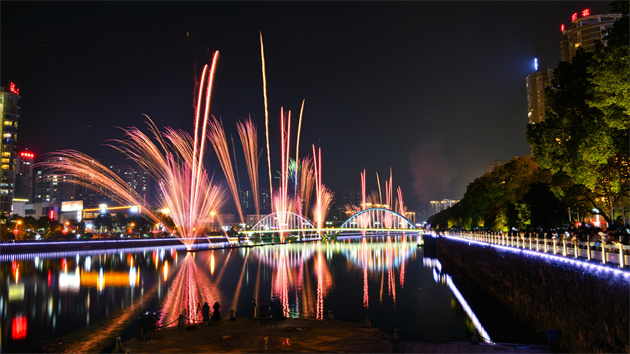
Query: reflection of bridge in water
point(391, 252)
point(368, 220)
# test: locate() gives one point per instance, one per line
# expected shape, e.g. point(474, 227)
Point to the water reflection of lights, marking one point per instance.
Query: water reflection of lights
point(110, 278)
point(378, 255)
point(190, 288)
point(70, 281)
point(443, 278)
point(18, 328)
point(293, 254)
point(324, 283)
point(16, 292)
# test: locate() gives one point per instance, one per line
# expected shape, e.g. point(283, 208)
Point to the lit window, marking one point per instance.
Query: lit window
point(7, 135)
point(8, 122)
point(4, 167)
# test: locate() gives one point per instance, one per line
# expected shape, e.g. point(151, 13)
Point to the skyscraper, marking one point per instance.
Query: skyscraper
point(136, 178)
point(9, 114)
point(24, 177)
point(535, 84)
point(584, 32)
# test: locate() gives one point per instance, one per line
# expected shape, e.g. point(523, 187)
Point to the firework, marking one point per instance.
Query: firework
point(323, 195)
point(307, 179)
point(249, 139)
point(264, 77)
point(219, 143)
point(173, 158)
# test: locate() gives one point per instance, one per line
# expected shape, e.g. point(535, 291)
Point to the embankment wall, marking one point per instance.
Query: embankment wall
point(590, 307)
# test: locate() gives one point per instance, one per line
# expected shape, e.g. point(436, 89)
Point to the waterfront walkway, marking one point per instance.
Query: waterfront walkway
point(299, 336)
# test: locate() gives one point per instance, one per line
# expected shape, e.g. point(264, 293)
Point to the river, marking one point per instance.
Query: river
point(81, 301)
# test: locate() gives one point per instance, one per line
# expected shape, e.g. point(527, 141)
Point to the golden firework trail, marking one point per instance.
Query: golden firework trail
point(262, 55)
point(297, 145)
point(307, 179)
point(380, 195)
point(401, 204)
point(323, 195)
point(173, 158)
point(219, 143)
point(249, 139)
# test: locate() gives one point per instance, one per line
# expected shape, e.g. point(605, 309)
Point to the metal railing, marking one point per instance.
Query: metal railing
point(606, 253)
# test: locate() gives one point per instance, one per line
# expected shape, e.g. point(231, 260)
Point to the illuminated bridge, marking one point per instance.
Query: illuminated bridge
point(368, 220)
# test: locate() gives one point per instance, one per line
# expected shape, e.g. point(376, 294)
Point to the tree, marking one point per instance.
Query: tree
point(610, 94)
point(48, 227)
point(497, 200)
point(103, 222)
point(546, 210)
point(579, 139)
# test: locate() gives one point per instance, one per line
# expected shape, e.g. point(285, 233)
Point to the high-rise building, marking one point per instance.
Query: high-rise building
point(535, 84)
point(439, 205)
point(52, 186)
point(136, 178)
point(24, 177)
point(584, 32)
point(9, 114)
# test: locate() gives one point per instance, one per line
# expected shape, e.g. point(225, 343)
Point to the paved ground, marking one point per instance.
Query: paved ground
point(298, 335)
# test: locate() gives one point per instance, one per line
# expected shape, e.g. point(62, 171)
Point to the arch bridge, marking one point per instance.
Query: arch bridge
point(283, 221)
point(373, 219)
point(377, 219)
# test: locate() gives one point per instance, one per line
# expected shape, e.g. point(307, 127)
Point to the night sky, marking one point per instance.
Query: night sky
point(434, 90)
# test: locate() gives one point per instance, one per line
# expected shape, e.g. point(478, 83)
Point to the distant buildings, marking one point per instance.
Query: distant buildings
point(9, 115)
point(439, 205)
point(24, 177)
point(585, 31)
point(535, 84)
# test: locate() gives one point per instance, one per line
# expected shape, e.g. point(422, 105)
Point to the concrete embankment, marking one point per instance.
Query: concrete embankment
point(586, 310)
point(298, 335)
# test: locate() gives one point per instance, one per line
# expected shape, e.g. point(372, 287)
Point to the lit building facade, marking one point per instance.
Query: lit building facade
point(535, 84)
point(9, 115)
point(439, 205)
point(136, 178)
point(584, 32)
point(24, 177)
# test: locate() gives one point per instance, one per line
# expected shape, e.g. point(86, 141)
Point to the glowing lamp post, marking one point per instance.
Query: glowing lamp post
point(212, 214)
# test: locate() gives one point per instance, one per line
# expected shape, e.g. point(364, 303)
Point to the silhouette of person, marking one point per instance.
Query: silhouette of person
point(216, 315)
point(205, 312)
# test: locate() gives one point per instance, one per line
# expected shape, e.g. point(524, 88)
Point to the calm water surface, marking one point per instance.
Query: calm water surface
point(79, 301)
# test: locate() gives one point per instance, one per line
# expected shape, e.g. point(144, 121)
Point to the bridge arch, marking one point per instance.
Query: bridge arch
point(377, 218)
point(283, 220)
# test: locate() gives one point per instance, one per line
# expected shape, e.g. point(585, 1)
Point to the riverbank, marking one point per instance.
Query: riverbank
point(297, 336)
point(84, 245)
point(197, 244)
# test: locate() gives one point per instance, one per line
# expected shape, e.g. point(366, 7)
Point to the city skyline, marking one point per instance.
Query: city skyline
point(432, 93)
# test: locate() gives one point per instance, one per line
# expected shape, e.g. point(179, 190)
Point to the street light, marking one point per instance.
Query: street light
point(212, 214)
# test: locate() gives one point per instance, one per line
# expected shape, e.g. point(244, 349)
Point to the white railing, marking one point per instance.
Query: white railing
point(615, 253)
